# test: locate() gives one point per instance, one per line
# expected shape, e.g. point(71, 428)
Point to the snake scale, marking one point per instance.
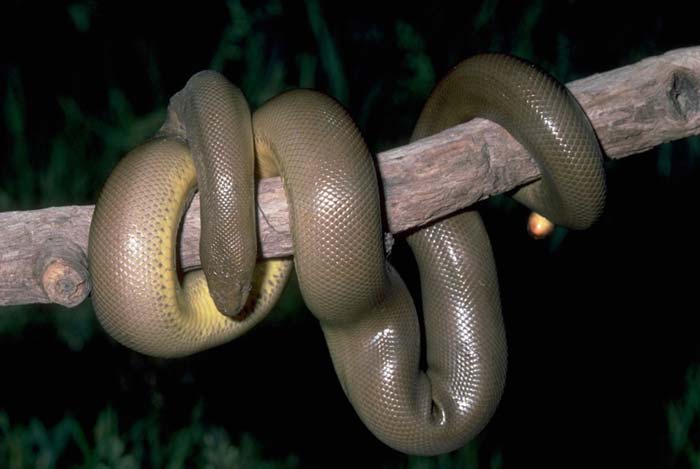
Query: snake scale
point(210, 142)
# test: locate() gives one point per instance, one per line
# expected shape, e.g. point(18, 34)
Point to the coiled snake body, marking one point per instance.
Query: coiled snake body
point(366, 313)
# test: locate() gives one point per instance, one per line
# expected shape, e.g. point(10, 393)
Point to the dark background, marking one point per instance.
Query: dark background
point(602, 325)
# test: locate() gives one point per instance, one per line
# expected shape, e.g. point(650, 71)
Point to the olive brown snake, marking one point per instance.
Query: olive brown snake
point(366, 313)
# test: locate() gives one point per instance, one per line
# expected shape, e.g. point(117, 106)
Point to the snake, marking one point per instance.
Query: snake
point(211, 143)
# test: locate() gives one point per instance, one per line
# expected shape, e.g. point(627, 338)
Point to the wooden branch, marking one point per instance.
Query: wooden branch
point(632, 108)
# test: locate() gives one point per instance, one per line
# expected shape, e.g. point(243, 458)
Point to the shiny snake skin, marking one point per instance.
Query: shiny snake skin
point(366, 313)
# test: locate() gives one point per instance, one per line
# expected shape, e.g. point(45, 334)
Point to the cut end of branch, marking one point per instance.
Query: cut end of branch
point(684, 93)
point(61, 270)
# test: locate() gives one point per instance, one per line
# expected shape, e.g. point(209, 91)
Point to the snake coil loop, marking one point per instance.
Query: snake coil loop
point(365, 310)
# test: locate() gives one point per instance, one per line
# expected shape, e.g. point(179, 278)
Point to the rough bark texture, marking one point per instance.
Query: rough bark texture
point(633, 108)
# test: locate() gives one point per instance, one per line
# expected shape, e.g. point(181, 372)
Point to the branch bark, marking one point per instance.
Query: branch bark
point(633, 109)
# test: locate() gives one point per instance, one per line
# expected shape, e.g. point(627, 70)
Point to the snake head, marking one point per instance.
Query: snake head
point(231, 297)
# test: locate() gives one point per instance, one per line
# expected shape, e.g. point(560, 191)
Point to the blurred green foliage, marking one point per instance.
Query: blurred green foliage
point(683, 418)
point(70, 444)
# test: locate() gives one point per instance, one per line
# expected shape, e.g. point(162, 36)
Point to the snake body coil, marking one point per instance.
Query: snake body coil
point(366, 312)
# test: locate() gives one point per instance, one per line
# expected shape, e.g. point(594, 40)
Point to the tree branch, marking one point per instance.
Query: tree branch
point(633, 109)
